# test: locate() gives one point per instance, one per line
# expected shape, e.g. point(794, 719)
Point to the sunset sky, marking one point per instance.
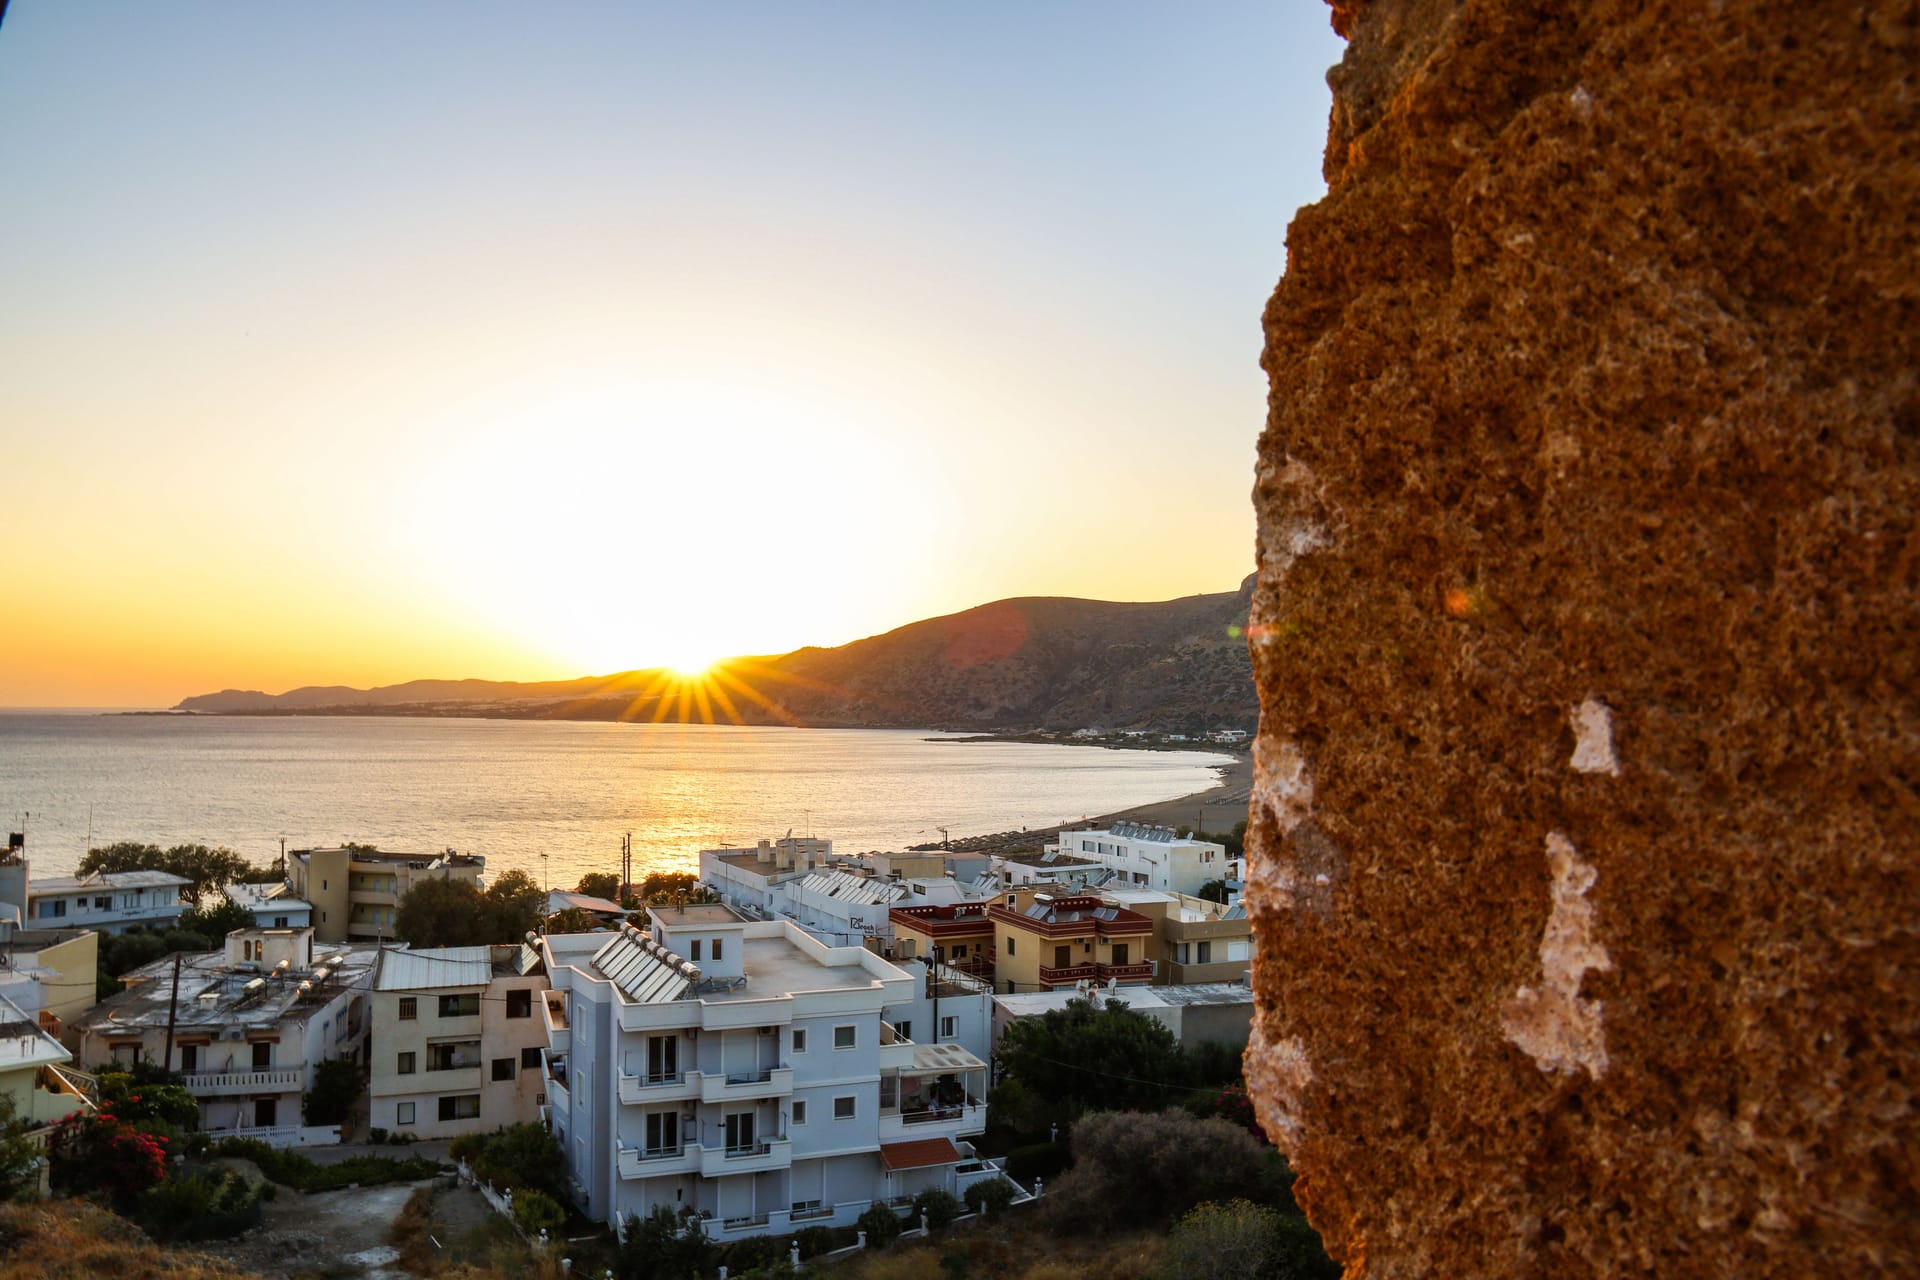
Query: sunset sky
point(354, 343)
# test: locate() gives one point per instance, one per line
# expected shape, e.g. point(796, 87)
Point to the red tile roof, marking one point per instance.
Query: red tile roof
point(919, 1153)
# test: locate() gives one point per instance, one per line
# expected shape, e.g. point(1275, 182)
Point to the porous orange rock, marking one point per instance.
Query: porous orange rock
point(1585, 817)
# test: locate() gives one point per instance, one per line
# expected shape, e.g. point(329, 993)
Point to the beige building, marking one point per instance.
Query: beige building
point(456, 1040)
point(1200, 940)
point(1045, 940)
point(34, 1071)
point(49, 974)
point(356, 892)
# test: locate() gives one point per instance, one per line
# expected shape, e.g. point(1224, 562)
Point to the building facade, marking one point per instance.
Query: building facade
point(356, 891)
point(110, 902)
point(245, 1026)
point(1150, 857)
point(456, 1040)
point(743, 1070)
point(272, 906)
point(1045, 941)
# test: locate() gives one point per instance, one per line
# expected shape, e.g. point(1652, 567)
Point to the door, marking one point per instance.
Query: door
point(663, 1131)
point(189, 1057)
point(1063, 957)
point(1119, 953)
point(663, 1057)
point(266, 1112)
point(739, 1130)
point(262, 1055)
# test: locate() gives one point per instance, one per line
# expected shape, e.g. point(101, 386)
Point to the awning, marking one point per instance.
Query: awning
point(919, 1153)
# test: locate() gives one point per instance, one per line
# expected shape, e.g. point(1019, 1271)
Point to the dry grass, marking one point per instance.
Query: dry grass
point(491, 1250)
point(74, 1240)
point(1012, 1248)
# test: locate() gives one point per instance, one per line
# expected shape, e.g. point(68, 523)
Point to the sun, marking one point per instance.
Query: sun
point(691, 664)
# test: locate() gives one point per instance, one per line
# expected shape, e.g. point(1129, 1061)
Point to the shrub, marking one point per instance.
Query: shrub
point(103, 1155)
point(376, 1135)
point(662, 1245)
point(522, 1156)
point(755, 1253)
point(881, 1224)
point(993, 1195)
point(939, 1206)
point(1142, 1169)
point(537, 1211)
point(200, 1204)
point(1040, 1160)
point(302, 1174)
point(336, 1083)
point(815, 1241)
point(1234, 1241)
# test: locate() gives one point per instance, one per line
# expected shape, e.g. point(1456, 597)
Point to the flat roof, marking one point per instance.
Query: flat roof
point(434, 967)
point(1032, 1003)
point(230, 998)
point(23, 1043)
point(697, 913)
point(252, 896)
point(776, 967)
point(105, 880)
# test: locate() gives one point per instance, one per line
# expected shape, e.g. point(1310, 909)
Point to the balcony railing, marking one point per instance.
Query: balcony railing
point(204, 1084)
point(1071, 973)
point(1125, 972)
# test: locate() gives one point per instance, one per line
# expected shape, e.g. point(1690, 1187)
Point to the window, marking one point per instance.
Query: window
point(466, 1006)
point(453, 1055)
point(947, 1028)
point(1206, 953)
point(403, 1113)
point(663, 1131)
point(799, 1039)
point(101, 904)
point(845, 1037)
point(55, 907)
point(461, 1106)
point(716, 947)
point(904, 1030)
point(406, 1064)
point(1010, 946)
point(262, 1054)
point(409, 1008)
point(503, 1068)
point(519, 1004)
point(530, 1058)
point(799, 1110)
point(843, 1108)
point(694, 953)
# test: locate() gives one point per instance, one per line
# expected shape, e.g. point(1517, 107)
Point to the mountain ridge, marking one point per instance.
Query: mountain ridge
point(1014, 665)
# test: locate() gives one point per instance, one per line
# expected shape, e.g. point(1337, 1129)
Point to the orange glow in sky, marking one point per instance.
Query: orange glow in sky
point(357, 344)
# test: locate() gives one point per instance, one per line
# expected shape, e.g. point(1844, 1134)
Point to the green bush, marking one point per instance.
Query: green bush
point(518, 1156)
point(200, 1204)
point(939, 1206)
point(302, 1174)
point(376, 1135)
point(993, 1195)
point(743, 1257)
point(536, 1211)
point(815, 1241)
point(1040, 1160)
point(1139, 1169)
point(881, 1224)
point(336, 1084)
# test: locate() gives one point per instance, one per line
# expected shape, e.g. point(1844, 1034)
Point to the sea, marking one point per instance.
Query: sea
point(551, 798)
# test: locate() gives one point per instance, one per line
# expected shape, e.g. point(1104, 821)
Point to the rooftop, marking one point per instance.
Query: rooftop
point(701, 913)
point(418, 861)
point(104, 880)
point(255, 896)
point(435, 967)
point(1033, 1003)
point(216, 994)
point(23, 1043)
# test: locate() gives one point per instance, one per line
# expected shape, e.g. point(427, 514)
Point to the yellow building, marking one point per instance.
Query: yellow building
point(1200, 940)
point(1044, 940)
point(34, 1073)
point(356, 891)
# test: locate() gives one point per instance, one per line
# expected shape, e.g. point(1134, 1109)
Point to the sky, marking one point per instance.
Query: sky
point(355, 343)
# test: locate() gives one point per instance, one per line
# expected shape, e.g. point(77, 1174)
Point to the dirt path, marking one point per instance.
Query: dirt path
point(338, 1235)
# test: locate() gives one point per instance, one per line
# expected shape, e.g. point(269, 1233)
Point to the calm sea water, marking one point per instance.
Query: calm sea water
point(514, 790)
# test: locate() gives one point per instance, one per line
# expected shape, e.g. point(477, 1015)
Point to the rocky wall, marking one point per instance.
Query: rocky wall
point(1584, 824)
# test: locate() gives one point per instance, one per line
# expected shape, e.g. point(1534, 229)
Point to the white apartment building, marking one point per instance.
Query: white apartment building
point(249, 1024)
point(110, 902)
point(745, 1070)
point(749, 880)
point(273, 906)
point(1150, 857)
point(456, 1044)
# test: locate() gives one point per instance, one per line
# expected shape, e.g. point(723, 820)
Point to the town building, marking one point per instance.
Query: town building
point(108, 902)
point(245, 1026)
point(356, 891)
point(1196, 1013)
point(35, 1071)
point(747, 879)
point(958, 934)
point(456, 1043)
point(1201, 941)
point(1150, 857)
point(1044, 941)
point(744, 1070)
point(272, 906)
point(49, 974)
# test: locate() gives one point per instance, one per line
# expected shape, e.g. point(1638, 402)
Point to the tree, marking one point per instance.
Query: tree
point(572, 920)
point(600, 884)
point(1086, 1058)
point(205, 869)
point(1213, 891)
point(657, 1247)
point(516, 905)
point(523, 1156)
point(336, 1084)
point(442, 913)
point(1238, 1240)
point(215, 920)
point(19, 1157)
point(101, 1154)
point(1131, 1168)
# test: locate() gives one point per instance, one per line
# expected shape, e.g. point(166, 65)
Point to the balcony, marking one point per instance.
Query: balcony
point(757, 1157)
point(1126, 972)
point(660, 1162)
point(220, 1084)
point(742, 1086)
point(636, 1090)
point(558, 1098)
point(558, 1036)
point(896, 1051)
point(933, 1122)
point(1072, 973)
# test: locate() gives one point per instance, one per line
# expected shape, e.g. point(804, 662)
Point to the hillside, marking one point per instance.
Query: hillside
point(1038, 662)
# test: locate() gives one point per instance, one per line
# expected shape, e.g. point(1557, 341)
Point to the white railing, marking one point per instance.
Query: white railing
point(204, 1084)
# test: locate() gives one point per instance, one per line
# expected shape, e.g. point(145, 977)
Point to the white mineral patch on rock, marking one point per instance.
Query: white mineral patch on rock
point(1593, 739)
point(1551, 1023)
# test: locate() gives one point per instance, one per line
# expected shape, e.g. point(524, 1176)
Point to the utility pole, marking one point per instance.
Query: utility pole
point(173, 1006)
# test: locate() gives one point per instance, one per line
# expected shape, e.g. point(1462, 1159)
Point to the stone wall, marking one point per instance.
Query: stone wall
point(1589, 767)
